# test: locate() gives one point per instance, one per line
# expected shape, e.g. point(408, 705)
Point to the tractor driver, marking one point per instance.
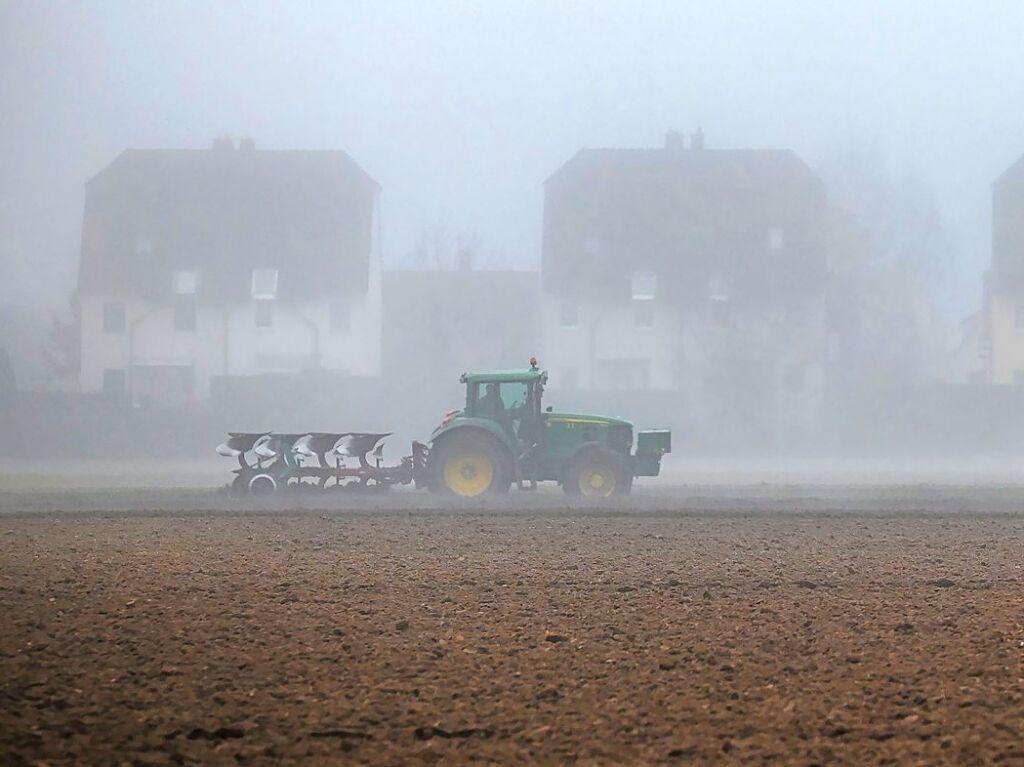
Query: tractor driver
point(491, 404)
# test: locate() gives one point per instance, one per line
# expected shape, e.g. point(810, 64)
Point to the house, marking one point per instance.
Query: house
point(1000, 332)
point(226, 262)
point(688, 269)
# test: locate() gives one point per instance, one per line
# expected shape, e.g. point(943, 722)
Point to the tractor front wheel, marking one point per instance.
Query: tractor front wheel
point(470, 465)
point(597, 473)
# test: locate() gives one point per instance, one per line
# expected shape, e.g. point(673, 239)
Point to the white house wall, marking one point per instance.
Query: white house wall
point(227, 341)
point(608, 336)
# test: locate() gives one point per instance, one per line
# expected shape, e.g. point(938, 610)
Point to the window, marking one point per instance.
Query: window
point(114, 383)
point(643, 314)
point(185, 313)
point(1018, 318)
point(592, 246)
point(264, 283)
point(645, 285)
point(185, 283)
point(776, 238)
point(341, 316)
point(113, 317)
point(569, 316)
point(512, 405)
point(264, 313)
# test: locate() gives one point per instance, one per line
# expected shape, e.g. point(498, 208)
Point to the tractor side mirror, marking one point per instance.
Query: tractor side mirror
point(548, 409)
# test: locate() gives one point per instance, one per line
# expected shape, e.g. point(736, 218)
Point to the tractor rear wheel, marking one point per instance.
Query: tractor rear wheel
point(470, 465)
point(598, 473)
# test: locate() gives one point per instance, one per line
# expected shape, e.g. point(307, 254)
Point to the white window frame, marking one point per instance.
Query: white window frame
point(259, 290)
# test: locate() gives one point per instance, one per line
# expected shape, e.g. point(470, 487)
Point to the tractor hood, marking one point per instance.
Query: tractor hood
point(582, 418)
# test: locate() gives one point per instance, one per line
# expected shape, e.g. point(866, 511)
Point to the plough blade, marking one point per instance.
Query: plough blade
point(358, 444)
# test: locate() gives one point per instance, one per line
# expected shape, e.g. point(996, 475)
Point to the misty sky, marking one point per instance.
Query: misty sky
point(461, 110)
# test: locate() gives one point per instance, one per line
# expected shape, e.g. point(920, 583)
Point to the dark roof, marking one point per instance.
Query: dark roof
point(684, 213)
point(683, 164)
point(224, 212)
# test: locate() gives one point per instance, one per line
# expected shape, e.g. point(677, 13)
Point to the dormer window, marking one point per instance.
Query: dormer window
point(264, 284)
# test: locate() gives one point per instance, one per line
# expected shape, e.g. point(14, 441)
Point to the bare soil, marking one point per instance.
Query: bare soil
point(867, 627)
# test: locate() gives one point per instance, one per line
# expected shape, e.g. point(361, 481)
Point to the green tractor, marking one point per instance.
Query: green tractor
point(504, 434)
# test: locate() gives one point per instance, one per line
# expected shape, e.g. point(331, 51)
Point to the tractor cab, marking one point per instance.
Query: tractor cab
point(512, 399)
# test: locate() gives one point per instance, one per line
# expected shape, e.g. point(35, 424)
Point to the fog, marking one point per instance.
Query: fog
point(460, 112)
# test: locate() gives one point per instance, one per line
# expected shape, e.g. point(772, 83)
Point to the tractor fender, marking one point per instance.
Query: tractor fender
point(479, 425)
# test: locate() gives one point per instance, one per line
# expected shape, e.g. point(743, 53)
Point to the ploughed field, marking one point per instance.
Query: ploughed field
point(793, 626)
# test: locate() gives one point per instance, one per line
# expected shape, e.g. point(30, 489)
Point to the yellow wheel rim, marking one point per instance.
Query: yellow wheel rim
point(468, 473)
point(597, 482)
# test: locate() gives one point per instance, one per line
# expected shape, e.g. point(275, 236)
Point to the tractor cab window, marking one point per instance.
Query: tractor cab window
point(507, 403)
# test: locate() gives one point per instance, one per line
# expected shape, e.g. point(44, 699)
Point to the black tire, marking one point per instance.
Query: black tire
point(597, 465)
point(459, 465)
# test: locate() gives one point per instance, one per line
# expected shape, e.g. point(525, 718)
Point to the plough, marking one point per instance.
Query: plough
point(502, 435)
point(269, 461)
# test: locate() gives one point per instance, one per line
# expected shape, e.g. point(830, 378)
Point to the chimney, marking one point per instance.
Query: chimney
point(223, 144)
point(674, 141)
point(697, 139)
